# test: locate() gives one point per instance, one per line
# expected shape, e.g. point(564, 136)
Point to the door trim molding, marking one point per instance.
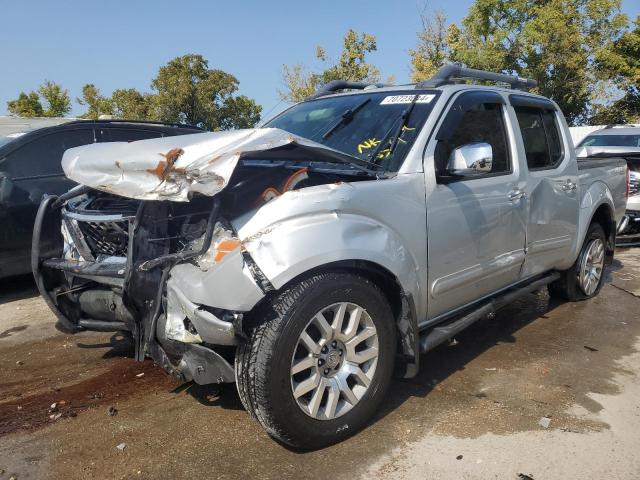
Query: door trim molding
point(471, 274)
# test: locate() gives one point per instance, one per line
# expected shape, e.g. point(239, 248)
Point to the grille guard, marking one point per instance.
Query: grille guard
point(143, 288)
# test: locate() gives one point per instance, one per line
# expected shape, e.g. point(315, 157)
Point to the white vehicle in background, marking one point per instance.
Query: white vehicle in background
point(620, 141)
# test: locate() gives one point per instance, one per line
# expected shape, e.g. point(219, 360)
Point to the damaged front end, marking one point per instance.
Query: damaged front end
point(149, 246)
point(108, 271)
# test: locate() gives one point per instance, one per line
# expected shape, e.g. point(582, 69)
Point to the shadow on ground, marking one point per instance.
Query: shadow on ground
point(17, 288)
point(120, 345)
point(436, 366)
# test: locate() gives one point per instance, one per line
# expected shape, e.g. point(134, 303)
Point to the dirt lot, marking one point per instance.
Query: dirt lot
point(473, 412)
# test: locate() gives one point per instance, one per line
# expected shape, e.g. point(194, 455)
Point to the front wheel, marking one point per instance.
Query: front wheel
point(585, 277)
point(319, 361)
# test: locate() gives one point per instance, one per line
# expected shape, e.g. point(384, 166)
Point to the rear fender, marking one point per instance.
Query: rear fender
point(595, 197)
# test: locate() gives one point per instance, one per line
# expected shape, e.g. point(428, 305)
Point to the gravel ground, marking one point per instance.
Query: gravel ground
point(474, 411)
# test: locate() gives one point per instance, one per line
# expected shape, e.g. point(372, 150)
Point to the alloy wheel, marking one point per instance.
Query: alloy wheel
point(591, 267)
point(334, 361)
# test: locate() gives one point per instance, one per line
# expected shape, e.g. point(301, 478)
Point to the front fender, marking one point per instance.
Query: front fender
point(378, 221)
point(382, 222)
point(292, 247)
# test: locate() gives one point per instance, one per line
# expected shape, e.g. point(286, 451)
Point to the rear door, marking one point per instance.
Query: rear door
point(552, 184)
point(34, 169)
point(475, 226)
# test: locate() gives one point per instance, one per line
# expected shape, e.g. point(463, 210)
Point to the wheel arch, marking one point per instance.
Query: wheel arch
point(401, 302)
point(597, 205)
point(604, 216)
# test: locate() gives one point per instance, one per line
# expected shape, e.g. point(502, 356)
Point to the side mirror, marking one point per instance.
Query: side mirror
point(470, 159)
point(6, 185)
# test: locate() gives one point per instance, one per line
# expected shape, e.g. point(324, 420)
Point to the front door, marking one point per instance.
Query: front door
point(475, 224)
point(552, 188)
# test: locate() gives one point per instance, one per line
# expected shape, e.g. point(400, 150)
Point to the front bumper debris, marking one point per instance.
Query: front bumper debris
point(90, 285)
point(205, 326)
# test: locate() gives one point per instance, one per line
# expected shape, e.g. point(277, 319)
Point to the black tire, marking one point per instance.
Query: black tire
point(568, 287)
point(263, 363)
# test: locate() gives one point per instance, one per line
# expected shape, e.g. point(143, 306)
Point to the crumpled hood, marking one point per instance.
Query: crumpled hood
point(172, 168)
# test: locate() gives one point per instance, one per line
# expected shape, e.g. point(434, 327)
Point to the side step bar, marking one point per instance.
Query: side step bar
point(439, 334)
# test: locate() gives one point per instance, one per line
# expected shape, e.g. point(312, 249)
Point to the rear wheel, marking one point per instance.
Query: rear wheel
point(319, 361)
point(585, 277)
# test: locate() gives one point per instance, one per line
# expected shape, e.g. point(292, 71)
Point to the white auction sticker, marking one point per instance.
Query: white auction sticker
point(426, 98)
point(405, 99)
point(397, 99)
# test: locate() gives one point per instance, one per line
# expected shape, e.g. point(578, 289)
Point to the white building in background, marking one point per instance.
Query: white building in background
point(10, 125)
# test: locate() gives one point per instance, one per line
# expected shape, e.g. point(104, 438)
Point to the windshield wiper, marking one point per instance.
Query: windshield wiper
point(345, 118)
point(392, 139)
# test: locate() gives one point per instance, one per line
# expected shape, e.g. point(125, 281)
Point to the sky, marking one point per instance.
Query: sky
point(121, 44)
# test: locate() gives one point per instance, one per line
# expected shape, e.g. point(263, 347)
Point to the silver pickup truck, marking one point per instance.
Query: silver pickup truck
point(307, 259)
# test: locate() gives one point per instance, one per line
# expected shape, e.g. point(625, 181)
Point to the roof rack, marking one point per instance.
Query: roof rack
point(335, 85)
point(619, 125)
point(146, 122)
point(453, 71)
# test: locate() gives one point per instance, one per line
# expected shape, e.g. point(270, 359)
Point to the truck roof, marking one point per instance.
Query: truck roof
point(417, 88)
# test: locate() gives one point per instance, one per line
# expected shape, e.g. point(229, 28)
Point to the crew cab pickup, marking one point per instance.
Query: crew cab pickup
point(307, 259)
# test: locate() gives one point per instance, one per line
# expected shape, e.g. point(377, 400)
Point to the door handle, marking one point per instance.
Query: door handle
point(515, 195)
point(569, 186)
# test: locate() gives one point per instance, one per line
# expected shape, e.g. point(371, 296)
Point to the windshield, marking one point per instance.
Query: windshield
point(611, 141)
point(357, 124)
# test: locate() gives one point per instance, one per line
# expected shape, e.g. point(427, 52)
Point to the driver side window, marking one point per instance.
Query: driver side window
point(474, 118)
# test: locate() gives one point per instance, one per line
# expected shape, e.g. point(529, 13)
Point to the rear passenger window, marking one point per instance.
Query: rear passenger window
point(474, 117)
point(541, 137)
point(42, 156)
point(127, 135)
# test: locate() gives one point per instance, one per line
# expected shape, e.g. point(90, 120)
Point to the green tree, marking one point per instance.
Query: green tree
point(624, 110)
point(130, 104)
point(556, 42)
point(187, 90)
point(96, 103)
point(56, 99)
point(26, 105)
point(619, 62)
point(351, 65)
point(432, 50)
point(299, 83)
point(553, 41)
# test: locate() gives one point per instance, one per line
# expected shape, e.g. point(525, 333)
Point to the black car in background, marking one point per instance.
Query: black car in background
point(30, 167)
